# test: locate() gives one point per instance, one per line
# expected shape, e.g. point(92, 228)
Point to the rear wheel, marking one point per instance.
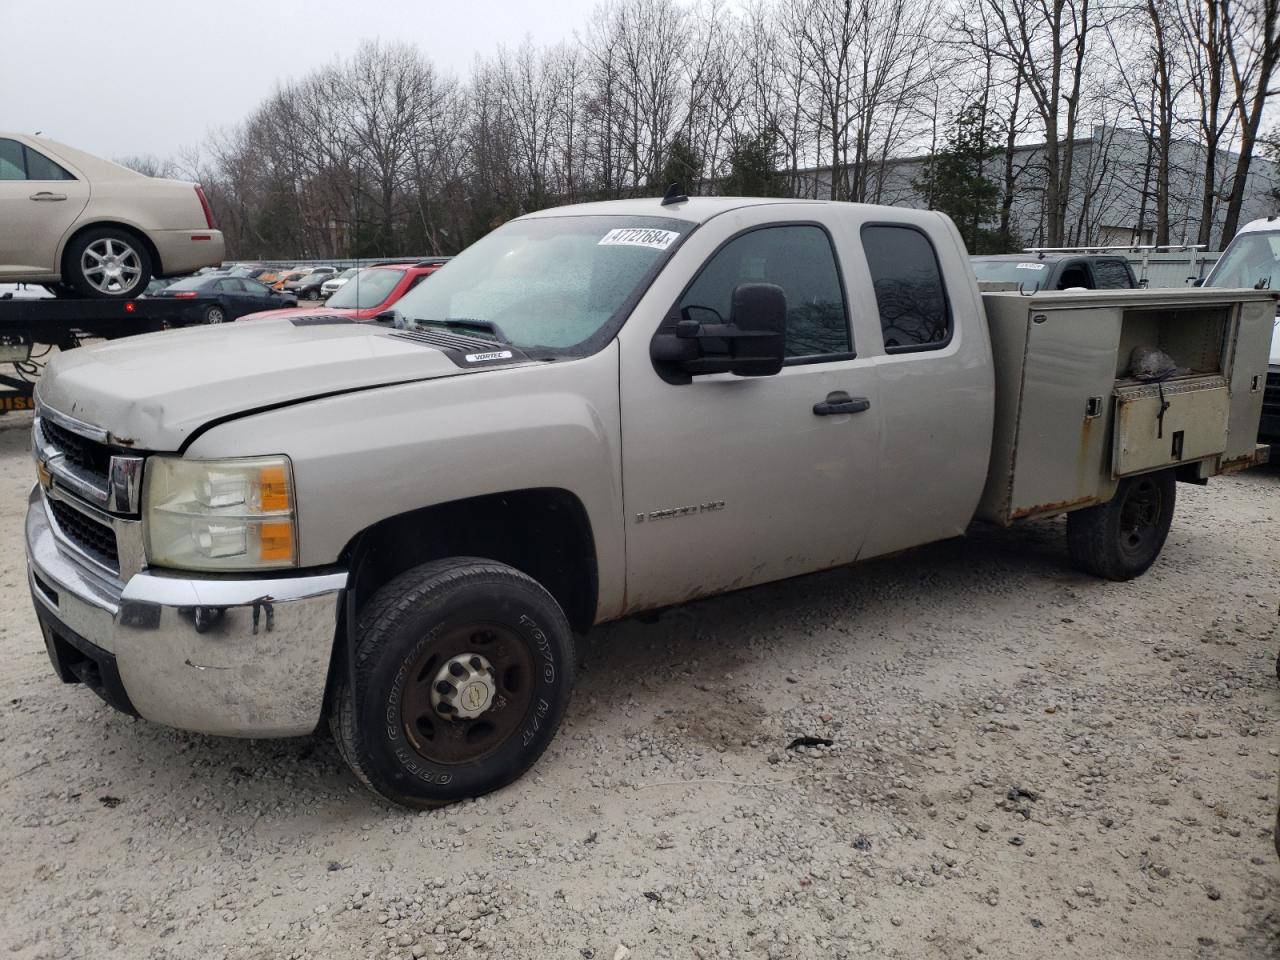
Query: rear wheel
point(463, 670)
point(1121, 539)
point(107, 263)
point(214, 314)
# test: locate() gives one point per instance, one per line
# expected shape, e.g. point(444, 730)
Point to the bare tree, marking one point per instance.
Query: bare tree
point(1252, 56)
point(149, 166)
point(382, 154)
point(1047, 42)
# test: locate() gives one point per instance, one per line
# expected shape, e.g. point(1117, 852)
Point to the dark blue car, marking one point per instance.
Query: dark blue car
point(221, 299)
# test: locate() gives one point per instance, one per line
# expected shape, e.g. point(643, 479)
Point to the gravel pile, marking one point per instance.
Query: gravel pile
point(968, 750)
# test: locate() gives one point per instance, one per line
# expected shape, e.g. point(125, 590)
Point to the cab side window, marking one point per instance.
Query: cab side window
point(799, 259)
point(914, 311)
point(20, 162)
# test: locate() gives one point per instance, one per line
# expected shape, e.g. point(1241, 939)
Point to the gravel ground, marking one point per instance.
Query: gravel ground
point(1024, 762)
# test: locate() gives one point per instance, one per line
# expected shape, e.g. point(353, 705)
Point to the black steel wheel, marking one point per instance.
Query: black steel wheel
point(1140, 513)
point(463, 671)
point(1121, 539)
point(467, 693)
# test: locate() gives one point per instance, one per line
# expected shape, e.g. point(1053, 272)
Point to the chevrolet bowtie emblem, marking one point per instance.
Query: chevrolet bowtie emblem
point(42, 473)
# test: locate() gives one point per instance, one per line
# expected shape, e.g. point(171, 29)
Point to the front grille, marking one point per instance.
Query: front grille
point(89, 455)
point(90, 536)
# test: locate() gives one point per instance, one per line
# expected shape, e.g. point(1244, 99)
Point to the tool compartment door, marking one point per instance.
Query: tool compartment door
point(1068, 376)
point(1193, 424)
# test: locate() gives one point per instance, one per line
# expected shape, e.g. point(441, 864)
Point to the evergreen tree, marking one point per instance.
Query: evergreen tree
point(682, 165)
point(751, 168)
point(955, 182)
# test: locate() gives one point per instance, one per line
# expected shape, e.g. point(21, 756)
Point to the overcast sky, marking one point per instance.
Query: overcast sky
point(123, 77)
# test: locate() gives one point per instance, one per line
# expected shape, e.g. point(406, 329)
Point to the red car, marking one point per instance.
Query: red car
point(367, 294)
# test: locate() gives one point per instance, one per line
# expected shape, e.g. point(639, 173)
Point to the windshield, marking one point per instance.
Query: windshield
point(366, 289)
point(1251, 259)
point(548, 284)
point(348, 273)
point(1030, 272)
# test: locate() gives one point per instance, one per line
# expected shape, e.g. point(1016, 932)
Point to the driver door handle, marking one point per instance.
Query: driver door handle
point(838, 402)
point(46, 195)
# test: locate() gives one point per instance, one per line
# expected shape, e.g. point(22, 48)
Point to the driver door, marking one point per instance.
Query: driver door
point(730, 481)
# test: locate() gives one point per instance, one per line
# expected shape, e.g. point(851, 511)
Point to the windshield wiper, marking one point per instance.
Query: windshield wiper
point(468, 323)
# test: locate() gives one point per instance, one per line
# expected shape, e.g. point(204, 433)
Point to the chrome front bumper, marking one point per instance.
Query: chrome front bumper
point(235, 657)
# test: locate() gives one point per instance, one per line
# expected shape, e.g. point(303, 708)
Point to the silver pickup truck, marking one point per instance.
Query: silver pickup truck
point(397, 527)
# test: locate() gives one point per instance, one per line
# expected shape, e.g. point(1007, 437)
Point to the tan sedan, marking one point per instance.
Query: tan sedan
point(79, 223)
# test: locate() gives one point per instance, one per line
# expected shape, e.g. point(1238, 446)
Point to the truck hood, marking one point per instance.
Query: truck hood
point(154, 391)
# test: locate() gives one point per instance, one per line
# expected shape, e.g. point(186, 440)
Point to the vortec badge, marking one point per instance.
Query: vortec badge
point(492, 355)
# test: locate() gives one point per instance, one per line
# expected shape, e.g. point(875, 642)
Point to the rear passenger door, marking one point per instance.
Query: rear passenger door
point(255, 296)
point(918, 313)
point(239, 296)
point(229, 291)
point(263, 295)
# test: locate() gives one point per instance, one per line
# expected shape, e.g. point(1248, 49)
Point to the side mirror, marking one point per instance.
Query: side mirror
point(1198, 282)
point(388, 316)
point(751, 344)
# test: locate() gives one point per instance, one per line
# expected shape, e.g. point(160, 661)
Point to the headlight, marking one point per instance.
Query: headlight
point(219, 514)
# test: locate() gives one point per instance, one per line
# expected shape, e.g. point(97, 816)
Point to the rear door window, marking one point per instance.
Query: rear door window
point(20, 162)
point(12, 166)
point(914, 311)
point(1111, 275)
point(40, 167)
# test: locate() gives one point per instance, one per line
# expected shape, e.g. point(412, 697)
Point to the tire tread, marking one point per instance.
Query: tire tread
point(396, 599)
point(1092, 532)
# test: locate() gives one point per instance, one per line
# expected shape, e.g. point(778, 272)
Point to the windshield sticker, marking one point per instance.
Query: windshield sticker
point(1031, 266)
point(491, 355)
point(638, 237)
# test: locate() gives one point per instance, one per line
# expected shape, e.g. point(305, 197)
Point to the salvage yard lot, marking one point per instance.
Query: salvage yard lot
point(1025, 762)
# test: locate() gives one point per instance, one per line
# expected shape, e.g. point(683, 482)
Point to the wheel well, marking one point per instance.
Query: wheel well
point(543, 532)
point(156, 266)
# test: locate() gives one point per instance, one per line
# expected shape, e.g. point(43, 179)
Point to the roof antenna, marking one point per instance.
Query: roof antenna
point(675, 194)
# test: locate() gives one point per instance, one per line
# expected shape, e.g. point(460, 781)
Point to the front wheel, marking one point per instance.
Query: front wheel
point(463, 670)
point(1122, 538)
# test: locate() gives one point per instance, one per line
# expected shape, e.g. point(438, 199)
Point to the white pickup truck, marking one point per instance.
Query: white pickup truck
point(1252, 259)
point(397, 527)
